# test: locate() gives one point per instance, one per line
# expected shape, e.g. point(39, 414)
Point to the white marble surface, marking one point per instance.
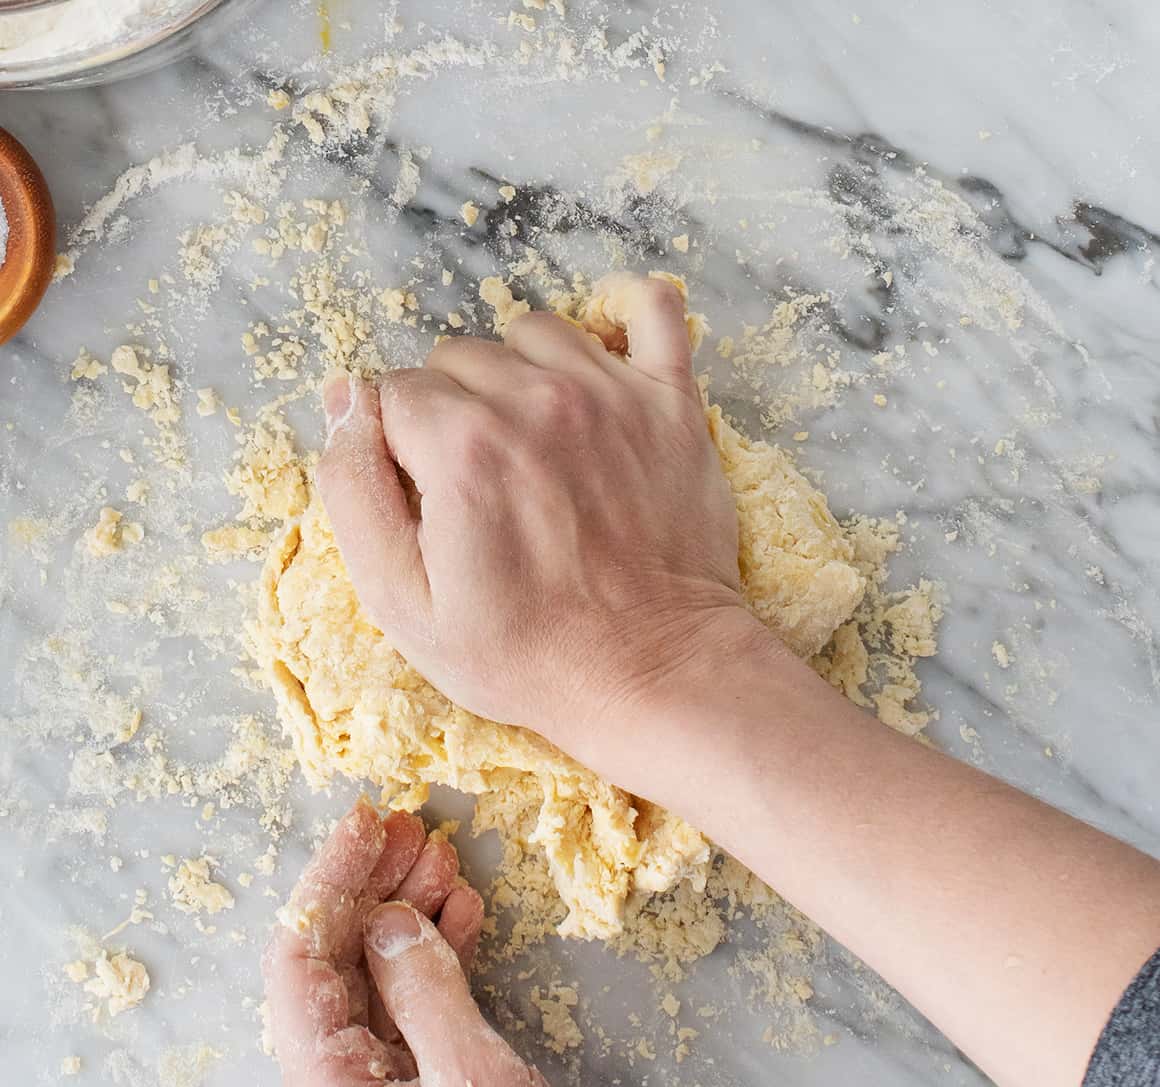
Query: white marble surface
point(1021, 443)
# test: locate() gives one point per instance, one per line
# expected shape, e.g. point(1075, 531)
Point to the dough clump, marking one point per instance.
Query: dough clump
point(353, 705)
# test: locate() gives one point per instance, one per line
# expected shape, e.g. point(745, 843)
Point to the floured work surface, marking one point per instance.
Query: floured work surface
point(857, 335)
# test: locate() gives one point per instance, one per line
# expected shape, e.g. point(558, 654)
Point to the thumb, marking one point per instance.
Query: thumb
point(424, 989)
point(364, 498)
point(646, 316)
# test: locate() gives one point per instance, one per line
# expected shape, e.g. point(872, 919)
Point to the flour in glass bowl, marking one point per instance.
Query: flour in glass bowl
point(79, 27)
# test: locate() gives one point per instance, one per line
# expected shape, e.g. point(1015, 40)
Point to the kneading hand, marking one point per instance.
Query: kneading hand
point(363, 987)
point(543, 530)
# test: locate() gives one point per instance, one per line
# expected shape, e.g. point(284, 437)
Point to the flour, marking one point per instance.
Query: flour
point(79, 27)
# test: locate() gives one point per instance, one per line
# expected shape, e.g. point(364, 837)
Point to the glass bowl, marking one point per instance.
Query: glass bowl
point(174, 30)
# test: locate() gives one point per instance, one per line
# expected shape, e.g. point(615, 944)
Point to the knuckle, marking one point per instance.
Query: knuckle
point(564, 401)
point(478, 437)
point(532, 322)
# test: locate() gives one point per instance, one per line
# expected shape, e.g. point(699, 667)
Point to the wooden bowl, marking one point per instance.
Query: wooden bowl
point(28, 264)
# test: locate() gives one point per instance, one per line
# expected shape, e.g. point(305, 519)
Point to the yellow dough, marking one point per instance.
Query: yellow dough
point(353, 705)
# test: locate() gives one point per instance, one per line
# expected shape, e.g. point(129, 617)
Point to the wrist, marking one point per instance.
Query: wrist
point(719, 646)
point(689, 702)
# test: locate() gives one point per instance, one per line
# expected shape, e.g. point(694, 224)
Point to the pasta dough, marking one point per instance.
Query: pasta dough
point(353, 705)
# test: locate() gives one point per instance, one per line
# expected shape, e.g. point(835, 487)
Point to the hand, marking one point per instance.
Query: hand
point(572, 535)
point(362, 988)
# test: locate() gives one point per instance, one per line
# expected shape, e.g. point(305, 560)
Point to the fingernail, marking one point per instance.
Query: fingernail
point(391, 929)
point(338, 393)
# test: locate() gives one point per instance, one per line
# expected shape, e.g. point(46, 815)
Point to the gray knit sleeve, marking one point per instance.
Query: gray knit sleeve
point(1128, 1052)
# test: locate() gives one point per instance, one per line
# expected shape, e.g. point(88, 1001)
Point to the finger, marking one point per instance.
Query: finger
point(379, 1020)
point(354, 1056)
point(405, 838)
point(552, 343)
point(646, 316)
point(482, 367)
point(423, 988)
point(460, 924)
point(433, 877)
point(306, 998)
point(323, 907)
point(365, 500)
point(422, 409)
point(384, 1028)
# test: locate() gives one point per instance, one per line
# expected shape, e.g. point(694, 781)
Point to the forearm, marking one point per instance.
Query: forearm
point(1012, 926)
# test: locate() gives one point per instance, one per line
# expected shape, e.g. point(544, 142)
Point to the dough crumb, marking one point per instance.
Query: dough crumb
point(1001, 654)
point(207, 402)
point(193, 890)
point(87, 366)
point(268, 476)
point(70, 1066)
point(681, 243)
point(235, 541)
point(470, 213)
point(117, 983)
point(398, 303)
point(560, 1028)
point(152, 390)
point(111, 532)
point(499, 297)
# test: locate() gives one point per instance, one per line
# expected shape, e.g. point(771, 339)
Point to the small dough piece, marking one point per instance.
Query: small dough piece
point(353, 705)
point(235, 541)
point(110, 534)
point(194, 891)
point(498, 295)
point(118, 983)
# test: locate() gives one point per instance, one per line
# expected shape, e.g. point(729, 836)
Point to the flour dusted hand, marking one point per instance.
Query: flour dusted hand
point(569, 537)
point(366, 973)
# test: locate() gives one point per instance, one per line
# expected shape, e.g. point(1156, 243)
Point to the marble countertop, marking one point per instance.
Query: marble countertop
point(972, 196)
